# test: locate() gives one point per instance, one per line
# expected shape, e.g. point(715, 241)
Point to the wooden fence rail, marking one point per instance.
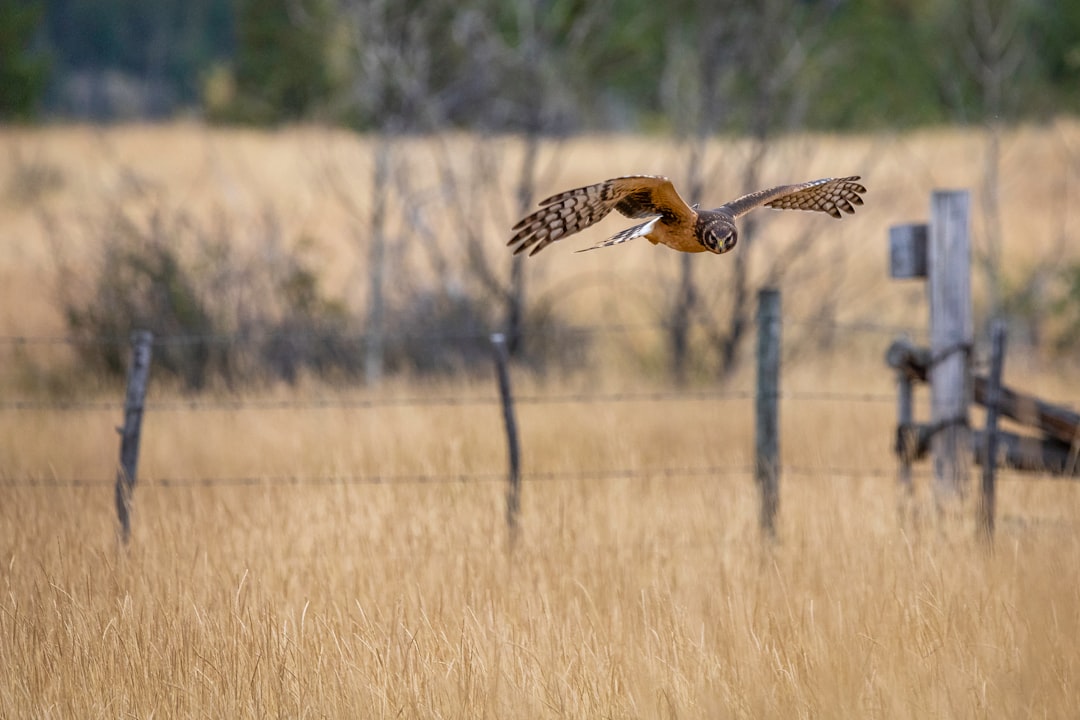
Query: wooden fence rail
point(1053, 453)
point(939, 252)
point(1058, 422)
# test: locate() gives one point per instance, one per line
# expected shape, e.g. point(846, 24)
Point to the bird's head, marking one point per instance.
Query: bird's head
point(717, 232)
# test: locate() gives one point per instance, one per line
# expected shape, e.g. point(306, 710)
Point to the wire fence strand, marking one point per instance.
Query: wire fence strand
point(242, 339)
point(543, 476)
point(346, 403)
point(823, 472)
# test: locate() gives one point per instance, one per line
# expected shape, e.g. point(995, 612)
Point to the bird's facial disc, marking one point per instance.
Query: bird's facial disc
point(721, 240)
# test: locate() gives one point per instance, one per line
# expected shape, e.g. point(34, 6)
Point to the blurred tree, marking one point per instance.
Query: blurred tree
point(138, 58)
point(282, 69)
point(468, 60)
point(23, 67)
point(739, 69)
point(875, 53)
point(1056, 33)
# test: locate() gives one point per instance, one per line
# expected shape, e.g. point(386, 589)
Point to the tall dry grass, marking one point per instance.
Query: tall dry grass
point(645, 597)
point(294, 588)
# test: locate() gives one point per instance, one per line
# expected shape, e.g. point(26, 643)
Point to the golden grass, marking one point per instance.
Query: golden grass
point(624, 598)
point(643, 596)
point(301, 590)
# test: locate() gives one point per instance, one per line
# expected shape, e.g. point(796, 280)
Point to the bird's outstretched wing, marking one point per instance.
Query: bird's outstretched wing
point(829, 195)
point(635, 196)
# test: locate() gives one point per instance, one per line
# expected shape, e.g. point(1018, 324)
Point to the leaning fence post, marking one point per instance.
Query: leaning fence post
point(950, 342)
point(137, 377)
point(993, 398)
point(513, 493)
point(767, 420)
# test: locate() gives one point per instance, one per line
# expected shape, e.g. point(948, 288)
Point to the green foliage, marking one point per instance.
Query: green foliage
point(558, 65)
point(1056, 32)
point(161, 46)
point(886, 76)
point(23, 69)
point(281, 64)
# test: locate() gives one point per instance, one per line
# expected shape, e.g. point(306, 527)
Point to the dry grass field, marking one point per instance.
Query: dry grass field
point(289, 584)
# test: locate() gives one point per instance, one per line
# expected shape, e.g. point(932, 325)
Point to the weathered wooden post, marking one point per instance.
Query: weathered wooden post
point(950, 343)
point(137, 378)
point(993, 399)
point(904, 423)
point(513, 493)
point(767, 415)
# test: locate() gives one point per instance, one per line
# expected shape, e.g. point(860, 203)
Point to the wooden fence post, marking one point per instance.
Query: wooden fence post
point(950, 343)
point(904, 424)
point(137, 378)
point(513, 493)
point(767, 420)
point(993, 398)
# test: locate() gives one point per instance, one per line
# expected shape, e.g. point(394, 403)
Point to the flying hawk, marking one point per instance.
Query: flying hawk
point(670, 221)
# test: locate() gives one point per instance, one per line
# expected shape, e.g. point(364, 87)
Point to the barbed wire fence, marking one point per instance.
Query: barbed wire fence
point(766, 469)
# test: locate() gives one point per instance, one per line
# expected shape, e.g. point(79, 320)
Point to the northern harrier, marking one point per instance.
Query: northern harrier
point(671, 221)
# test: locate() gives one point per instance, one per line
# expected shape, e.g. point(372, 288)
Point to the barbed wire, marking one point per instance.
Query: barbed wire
point(402, 479)
point(461, 478)
point(827, 472)
point(180, 339)
point(480, 478)
point(272, 404)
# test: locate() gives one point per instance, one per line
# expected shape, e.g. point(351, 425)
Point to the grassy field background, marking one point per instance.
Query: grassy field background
point(290, 585)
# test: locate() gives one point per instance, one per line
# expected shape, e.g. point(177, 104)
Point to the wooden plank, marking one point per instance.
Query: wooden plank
point(950, 337)
point(1016, 452)
point(1058, 422)
point(766, 407)
point(1030, 454)
point(908, 251)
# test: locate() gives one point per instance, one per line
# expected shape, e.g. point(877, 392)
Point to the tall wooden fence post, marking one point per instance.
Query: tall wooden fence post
point(513, 493)
point(134, 399)
point(993, 399)
point(767, 416)
point(950, 343)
